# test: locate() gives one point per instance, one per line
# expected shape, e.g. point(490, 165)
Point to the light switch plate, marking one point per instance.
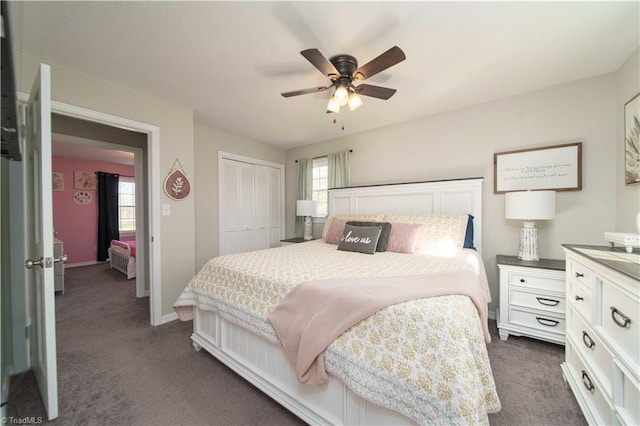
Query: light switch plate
point(166, 210)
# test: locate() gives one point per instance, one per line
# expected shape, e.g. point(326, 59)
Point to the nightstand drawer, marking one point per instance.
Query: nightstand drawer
point(538, 320)
point(593, 350)
point(579, 272)
point(580, 298)
point(536, 282)
point(620, 320)
point(535, 300)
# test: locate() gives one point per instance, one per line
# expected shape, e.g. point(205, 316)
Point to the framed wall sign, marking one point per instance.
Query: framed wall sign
point(176, 184)
point(556, 168)
point(632, 140)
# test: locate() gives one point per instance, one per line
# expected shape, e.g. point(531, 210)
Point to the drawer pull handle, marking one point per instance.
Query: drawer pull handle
point(521, 280)
point(615, 313)
point(547, 302)
point(548, 322)
point(586, 381)
point(579, 275)
point(579, 298)
point(587, 340)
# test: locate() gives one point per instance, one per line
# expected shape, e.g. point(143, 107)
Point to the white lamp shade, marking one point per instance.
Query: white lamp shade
point(305, 208)
point(530, 205)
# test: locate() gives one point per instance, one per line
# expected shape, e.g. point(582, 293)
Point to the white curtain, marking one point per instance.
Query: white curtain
point(305, 189)
point(338, 170)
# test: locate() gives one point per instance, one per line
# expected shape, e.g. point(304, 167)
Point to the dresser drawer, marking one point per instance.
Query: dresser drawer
point(593, 350)
point(535, 300)
point(577, 271)
point(621, 321)
point(536, 282)
point(590, 390)
point(628, 404)
point(538, 320)
point(580, 298)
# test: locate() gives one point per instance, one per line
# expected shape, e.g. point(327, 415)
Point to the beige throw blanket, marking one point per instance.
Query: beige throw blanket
point(315, 313)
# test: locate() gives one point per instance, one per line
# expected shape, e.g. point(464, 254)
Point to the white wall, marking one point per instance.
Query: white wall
point(461, 143)
point(627, 196)
point(176, 234)
point(208, 141)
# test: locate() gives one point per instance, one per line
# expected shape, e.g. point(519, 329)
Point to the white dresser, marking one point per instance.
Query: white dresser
point(602, 355)
point(532, 298)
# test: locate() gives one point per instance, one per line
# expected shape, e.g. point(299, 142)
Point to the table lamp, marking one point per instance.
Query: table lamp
point(529, 206)
point(306, 208)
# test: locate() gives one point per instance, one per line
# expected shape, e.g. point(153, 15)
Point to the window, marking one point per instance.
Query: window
point(127, 204)
point(320, 185)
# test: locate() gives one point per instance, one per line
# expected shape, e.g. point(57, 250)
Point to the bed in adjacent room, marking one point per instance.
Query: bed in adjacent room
point(420, 360)
point(122, 257)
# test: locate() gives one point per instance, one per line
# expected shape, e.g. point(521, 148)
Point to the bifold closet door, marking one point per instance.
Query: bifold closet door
point(238, 194)
point(267, 207)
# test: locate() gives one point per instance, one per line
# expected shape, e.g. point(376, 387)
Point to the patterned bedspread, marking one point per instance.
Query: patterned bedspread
point(425, 358)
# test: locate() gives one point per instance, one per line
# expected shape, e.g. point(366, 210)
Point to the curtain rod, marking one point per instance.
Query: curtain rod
point(314, 158)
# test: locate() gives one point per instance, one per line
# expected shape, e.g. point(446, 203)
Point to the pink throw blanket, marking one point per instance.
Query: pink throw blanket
point(315, 313)
point(131, 245)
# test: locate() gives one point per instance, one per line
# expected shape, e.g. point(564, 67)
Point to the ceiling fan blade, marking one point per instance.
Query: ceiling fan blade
point(304, 91)
point(375, 91)
point(380, 63)
point(318, 60)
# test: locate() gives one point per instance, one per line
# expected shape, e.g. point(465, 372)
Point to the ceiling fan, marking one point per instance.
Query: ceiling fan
point(343, 70)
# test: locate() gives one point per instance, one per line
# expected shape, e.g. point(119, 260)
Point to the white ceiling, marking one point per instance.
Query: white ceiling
point(229, 61)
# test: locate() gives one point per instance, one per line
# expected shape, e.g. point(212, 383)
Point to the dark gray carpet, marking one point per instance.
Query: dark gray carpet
point(115, 369)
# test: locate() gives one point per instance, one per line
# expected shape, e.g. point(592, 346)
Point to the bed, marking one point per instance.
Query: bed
point(421, 361)
point(122, 257)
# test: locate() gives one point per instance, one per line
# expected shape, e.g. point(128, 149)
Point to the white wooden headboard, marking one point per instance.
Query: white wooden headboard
point(434, 197)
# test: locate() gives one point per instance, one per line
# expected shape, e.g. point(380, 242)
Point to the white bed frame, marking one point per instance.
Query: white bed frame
point(265, 365)
point(120, 259)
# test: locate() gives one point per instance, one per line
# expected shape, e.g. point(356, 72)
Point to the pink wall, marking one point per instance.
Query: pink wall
point(77, 224)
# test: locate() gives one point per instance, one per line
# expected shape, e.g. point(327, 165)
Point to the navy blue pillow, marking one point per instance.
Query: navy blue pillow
point(468, 236)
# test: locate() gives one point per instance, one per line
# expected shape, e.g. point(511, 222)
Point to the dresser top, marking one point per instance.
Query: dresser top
point(615, 258)
point(558, 265)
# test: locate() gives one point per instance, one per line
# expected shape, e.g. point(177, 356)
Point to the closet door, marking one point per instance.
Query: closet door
point(237, 195)
point(268, 212)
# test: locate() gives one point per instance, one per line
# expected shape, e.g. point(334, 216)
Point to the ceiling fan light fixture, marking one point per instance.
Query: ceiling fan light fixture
point(333, 105)
point(355, 101)
point(341, 95)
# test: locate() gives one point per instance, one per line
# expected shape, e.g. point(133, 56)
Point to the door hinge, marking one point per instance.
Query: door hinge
point(27, 332)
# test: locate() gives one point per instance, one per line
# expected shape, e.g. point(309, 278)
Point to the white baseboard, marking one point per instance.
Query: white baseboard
point(87, 263)
point(167, 318)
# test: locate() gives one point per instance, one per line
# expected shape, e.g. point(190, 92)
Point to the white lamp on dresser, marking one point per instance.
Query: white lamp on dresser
point(529, 206)
point(306, 208)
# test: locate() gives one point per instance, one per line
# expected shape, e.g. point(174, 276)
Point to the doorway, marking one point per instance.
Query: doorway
point(150, 193)
point(81, 147)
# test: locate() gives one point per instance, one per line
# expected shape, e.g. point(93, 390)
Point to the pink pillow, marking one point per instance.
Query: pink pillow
point(335, 230)
point(403, 237)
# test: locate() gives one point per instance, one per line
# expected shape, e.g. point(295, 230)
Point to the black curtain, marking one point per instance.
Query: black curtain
point(108, 228)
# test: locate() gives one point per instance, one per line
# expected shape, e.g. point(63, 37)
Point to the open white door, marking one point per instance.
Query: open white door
point(39, 224)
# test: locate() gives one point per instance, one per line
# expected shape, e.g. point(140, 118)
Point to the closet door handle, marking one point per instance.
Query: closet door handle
point(579, 275)
point(615, 314)
point(579, 298)
point(547, 302)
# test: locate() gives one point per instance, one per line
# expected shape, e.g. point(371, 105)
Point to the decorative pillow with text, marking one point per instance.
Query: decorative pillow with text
point(361, 239)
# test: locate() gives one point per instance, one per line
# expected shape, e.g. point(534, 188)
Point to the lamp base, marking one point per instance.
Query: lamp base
point(307, 228)
point(528, 241)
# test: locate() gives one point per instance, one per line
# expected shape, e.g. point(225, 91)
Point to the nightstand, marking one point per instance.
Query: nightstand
point(532, 299)
point(290, 241)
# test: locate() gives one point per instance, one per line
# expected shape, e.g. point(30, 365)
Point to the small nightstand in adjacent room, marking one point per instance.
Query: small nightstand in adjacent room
point(532, 299)
point(289, 241)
